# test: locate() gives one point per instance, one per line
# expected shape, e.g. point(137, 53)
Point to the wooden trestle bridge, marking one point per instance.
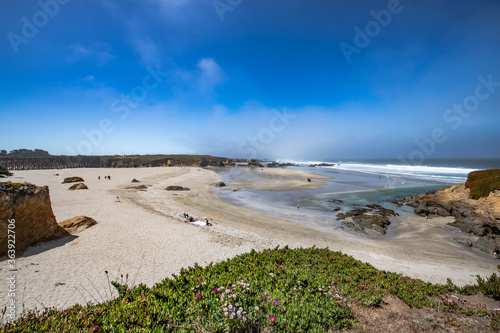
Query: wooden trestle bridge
point(49, 162)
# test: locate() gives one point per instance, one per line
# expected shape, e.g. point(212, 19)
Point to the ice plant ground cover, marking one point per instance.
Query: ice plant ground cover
point(292, 290)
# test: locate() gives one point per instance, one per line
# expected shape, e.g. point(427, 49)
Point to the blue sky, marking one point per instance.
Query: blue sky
point(279, 79)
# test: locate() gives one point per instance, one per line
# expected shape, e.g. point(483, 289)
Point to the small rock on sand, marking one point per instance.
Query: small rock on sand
point(77, 224)
point(79, 186)
point(177, 188)
point(72, 180)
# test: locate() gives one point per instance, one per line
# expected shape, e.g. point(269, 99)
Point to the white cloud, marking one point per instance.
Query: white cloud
point(211, 74)
point(89, 78)
point(99, 52)
point(148, 51)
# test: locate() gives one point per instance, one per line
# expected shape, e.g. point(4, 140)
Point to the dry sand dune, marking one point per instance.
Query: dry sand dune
point(142, 237)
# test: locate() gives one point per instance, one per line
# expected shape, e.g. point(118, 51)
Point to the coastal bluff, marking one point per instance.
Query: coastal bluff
point(141, 161)
point(30, 207)
point(475, 206)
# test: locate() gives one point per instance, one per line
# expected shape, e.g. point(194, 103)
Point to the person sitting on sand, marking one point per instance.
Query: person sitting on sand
point(496, 254)
point(191, 219)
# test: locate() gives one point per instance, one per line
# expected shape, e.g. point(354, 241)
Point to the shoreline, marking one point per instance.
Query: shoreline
point(142, 236)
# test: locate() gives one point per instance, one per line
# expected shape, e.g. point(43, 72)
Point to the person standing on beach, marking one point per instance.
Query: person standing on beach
point(436, 211)
point(427, 214)
point(298, 207)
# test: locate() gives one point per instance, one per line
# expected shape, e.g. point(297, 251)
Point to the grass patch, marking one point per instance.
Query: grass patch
point(481, 183)
point(279, 290)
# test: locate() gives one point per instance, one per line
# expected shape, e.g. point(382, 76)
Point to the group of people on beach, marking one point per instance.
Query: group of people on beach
point(188, 217)
point(105, 177)
point(191, 219)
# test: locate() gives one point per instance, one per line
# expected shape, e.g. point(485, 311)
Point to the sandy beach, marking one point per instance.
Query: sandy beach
point(143, 237)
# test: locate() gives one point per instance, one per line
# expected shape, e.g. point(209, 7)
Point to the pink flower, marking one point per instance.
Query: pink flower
point(215, 290)
point(264, 297)
point(407, 289)
point(200, 278)
point(276, 302)
point(198, 296)
point(229, 287)
point(143, 296)
point(96, 327)
point(272, 319)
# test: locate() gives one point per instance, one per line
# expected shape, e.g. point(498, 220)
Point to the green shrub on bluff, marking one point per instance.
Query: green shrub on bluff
point(481, 183)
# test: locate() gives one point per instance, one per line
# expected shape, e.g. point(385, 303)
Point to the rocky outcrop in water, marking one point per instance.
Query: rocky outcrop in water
point(280, 165)
point(30, 207)
point(375, 217)
point(254, 163)
point(480, 217)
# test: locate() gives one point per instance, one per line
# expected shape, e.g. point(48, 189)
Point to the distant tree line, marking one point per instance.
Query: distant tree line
point(25, 153)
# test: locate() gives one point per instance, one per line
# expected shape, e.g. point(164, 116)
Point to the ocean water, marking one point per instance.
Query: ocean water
point(354, 184)
point(446, 171)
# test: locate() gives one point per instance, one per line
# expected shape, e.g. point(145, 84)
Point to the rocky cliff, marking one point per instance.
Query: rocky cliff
point(29, 205)
point(480, 217)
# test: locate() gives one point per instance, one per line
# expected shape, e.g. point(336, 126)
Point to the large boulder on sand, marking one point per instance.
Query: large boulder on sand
point(77, 224)
point(72, 180)
point(220, 184)
point(29, 206)
point(135, 181)
point(177, 188)
point(488, 244)
point(79, 186)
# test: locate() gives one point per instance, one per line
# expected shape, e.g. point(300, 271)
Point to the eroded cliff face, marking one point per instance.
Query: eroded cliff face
point(479, 217)
point(29, 205)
